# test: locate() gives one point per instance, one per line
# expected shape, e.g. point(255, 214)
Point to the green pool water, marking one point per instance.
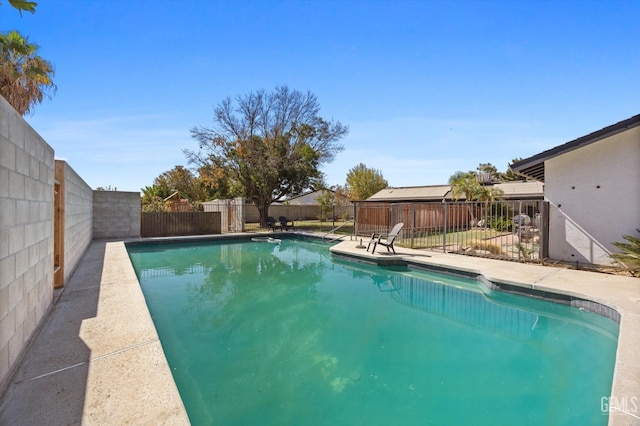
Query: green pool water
point(259, 333)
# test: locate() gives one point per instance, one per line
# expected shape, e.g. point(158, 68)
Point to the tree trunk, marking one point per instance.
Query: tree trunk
point(471, 209)
point(263, 211)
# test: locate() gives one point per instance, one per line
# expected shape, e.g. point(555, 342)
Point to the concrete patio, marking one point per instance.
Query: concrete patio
point(96, 358)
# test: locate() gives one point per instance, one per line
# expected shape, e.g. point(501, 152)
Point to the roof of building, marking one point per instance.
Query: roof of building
point(180, 195)
point(512, 190)
point(521, 189)
point(306, 198)
point(412, 193)
point(534, 166)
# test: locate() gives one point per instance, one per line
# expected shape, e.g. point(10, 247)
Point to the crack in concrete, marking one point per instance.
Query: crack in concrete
point(60, 370)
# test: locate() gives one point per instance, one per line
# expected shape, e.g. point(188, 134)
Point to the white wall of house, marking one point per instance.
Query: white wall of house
point(594, 193)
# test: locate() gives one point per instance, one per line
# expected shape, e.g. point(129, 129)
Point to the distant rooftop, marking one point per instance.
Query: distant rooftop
point(521, 189)
point(412, 193)
point(512, 190)
point(310, 197)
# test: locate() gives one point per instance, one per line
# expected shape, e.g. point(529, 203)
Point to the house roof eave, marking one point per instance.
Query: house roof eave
point(533, 166)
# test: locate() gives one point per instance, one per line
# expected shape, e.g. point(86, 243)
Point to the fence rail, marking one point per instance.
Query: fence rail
point(515, 230)
point(171, 224)
point(298, 212)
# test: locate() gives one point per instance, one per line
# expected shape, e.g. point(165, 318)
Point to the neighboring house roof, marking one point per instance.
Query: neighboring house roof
point(534, 166)
point(512, 190)
point(179, 194)
point(310, 197)
point(521, 189)
point(412, 193)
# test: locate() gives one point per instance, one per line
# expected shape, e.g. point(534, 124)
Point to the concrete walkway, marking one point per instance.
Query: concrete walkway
point(97, 358)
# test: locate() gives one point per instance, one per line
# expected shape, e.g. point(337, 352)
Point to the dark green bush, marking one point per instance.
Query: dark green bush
point(502, 224)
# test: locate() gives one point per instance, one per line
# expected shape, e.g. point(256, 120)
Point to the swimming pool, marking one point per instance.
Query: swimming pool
point(260, 332)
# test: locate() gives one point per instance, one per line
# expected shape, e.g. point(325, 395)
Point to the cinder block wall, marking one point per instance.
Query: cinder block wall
point(78, 217)
point(116, 214)
point(26, 234)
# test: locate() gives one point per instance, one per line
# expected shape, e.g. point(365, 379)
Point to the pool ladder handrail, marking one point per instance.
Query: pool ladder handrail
point(335, 229)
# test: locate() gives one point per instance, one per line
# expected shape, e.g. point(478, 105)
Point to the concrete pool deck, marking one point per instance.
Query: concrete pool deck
point(97, 359)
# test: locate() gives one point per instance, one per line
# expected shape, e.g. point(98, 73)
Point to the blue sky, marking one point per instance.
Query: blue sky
point(426, 87)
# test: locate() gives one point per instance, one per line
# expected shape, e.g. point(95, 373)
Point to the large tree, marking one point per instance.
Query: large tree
point(487, 173)
point(510, 175)
point(363, 182)
point(178, 179)
point(25, 77)
point(268, 145)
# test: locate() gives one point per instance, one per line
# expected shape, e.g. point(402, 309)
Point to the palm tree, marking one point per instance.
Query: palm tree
point(468, 187)
point(25, 77)
point(629, 253)
point(465, 186)
point(488, 195)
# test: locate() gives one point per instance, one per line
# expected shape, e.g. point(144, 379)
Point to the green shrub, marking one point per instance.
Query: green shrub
point(629, 253)
point(501, 224)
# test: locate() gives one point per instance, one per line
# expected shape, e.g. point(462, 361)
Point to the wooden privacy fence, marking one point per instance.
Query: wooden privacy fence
point(380, 217)
point(173, 224)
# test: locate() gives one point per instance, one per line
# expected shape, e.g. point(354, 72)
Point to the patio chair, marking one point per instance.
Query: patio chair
point(271, 223)
point(285, 224)
point(386, 240)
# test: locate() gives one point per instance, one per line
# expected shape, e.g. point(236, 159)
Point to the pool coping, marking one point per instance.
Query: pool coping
point(616, 297)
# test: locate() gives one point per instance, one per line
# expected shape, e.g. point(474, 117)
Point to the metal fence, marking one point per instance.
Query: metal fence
point(515, 230)
point(302, 212)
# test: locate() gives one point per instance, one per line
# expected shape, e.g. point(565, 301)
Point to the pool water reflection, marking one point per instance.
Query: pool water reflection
point(262, 333)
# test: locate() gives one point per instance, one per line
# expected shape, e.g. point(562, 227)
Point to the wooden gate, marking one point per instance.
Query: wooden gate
point(58, 235)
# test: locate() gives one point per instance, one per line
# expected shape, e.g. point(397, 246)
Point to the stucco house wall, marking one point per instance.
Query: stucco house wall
point(594, 193)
